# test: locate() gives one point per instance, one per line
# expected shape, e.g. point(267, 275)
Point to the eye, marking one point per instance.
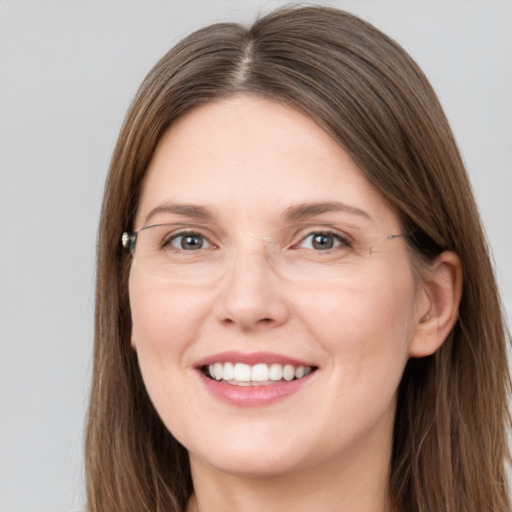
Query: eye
point(323, 241)
point(188, 241)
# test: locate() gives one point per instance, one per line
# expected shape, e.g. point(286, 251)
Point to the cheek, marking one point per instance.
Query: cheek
point(165, 323)
point(366, 328)
point(163, 318)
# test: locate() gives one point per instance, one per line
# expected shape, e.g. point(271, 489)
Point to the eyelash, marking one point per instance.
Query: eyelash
point(342, 241)
point(168, 240)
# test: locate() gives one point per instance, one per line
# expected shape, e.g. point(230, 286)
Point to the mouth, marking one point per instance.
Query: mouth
point(260, 374)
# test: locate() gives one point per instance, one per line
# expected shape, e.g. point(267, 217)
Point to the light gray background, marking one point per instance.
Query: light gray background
point(68, 70)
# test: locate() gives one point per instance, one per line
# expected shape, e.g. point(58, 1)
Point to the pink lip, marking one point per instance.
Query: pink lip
point(253, 358)
point(253, 396)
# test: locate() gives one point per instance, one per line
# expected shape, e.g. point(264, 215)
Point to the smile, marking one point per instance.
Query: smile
point(261, 374)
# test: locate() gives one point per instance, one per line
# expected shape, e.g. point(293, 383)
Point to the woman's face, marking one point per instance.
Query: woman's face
point(275, 264)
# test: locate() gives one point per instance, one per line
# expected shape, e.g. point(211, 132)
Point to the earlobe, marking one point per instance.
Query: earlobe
point(438, 305)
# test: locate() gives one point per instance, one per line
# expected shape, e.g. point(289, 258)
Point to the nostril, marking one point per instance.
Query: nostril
point(262, 323)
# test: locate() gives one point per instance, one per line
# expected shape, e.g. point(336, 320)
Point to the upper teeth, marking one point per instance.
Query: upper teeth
point(244, 373)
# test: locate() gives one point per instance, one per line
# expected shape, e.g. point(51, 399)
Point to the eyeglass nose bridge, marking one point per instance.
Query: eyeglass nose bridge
point(258, 247)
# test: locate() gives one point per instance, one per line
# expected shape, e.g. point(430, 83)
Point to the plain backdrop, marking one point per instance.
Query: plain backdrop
point(68, 70)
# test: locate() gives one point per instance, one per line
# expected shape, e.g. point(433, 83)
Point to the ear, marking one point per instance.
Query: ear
point(438, 302)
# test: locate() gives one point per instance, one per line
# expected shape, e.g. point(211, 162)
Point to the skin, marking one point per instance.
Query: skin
point(356, 316)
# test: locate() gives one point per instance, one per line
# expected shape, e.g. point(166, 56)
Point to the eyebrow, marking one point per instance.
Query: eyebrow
point(185, 210)
point(306, 210)
point(295, 213)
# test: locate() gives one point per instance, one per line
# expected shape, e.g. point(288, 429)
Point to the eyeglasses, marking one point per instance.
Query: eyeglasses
point(178, 251)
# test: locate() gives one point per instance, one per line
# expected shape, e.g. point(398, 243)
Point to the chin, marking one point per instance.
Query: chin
point(250, 462)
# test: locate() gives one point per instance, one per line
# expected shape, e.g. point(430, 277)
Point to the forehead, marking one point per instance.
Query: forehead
point(254, 156)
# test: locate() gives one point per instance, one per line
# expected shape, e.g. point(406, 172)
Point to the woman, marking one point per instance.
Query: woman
point(295, 305)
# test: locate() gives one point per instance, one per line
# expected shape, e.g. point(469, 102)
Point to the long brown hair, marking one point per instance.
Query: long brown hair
point(450, 450)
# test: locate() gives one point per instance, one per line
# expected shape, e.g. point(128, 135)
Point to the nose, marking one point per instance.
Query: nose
point(251, 295)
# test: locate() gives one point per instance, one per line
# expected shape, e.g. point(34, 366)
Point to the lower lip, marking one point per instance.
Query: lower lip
point(253, 396)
